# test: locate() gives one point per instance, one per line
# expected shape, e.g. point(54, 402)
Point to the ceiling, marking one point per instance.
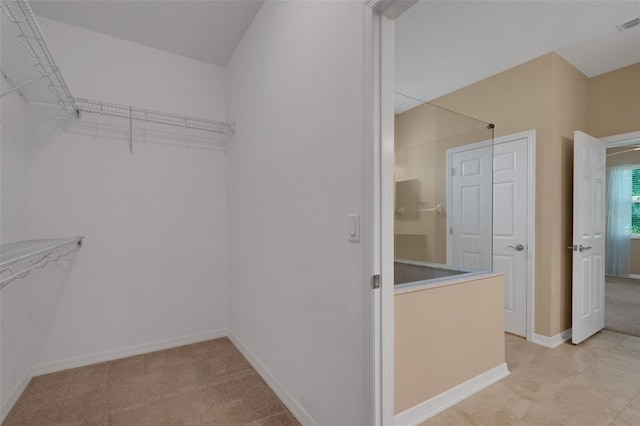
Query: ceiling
point(208, 31)
point(442, 46)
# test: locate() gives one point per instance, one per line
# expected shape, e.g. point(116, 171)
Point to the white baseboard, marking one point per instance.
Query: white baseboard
point(8, 403)
point(429, 408)
point(81, 361)
point(554, 341)
point(291, 403)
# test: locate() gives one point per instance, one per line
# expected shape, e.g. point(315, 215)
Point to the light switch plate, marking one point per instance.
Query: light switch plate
point(354, 227)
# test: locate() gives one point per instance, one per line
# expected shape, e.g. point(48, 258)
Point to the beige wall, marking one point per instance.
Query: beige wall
point(551, 96)
point(614, 102)
point(570, 112)
point(422, 137)
point(415, 159)
point(445, 336)
point(548, 95)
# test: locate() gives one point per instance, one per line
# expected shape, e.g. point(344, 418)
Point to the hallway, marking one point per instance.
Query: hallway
point(594, 383)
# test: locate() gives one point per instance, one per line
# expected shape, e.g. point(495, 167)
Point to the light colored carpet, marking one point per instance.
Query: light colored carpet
point(622, 305)
point(207, 383)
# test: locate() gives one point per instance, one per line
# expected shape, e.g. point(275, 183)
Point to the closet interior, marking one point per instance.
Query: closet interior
point(179, 183)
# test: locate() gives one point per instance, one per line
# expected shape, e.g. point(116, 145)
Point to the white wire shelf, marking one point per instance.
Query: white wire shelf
point(151, 116)
point(28, 67)
point(19, 258)
point(26, 62)
point(129, 114)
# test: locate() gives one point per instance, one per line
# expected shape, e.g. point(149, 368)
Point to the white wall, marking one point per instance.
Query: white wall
point(16, 356)
point(294, 88)
point(14, 173)
point(153, 269)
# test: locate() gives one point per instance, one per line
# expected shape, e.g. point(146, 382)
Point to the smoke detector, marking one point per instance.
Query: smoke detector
point(629, 24)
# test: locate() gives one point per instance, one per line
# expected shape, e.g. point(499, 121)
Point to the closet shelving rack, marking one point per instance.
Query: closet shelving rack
point(222, 129)
point(29, 67)
point(27, 63)
point(18, 259)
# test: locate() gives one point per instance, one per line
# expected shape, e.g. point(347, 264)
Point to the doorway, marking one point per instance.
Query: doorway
point(513, 250)
point(622, 255)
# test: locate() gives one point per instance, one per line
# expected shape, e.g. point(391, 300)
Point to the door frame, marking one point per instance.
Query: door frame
point(530, 136)
point(622, 139)
point(378, 198)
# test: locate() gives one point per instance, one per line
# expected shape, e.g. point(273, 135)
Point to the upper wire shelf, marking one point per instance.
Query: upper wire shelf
point(26, 62)
point(151, 116)
point(18, 259)
point(28, 66)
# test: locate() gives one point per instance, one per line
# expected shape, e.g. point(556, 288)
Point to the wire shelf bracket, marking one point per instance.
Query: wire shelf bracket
point(27, 59)
point(29, 67)
point(18, 259)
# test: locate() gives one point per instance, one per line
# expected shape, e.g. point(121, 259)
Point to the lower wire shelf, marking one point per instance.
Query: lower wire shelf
point(19, 258)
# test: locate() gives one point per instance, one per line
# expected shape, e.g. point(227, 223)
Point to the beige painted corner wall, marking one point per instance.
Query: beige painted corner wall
point(534, 95)
point(422, 137)
point(614, 102)
point(570, 112)
point(551, 96)
point(445, 336)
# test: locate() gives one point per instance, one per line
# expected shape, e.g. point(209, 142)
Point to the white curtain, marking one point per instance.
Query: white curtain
point(618, 241)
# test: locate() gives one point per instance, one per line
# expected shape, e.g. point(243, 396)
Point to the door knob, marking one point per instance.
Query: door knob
point(518, 247)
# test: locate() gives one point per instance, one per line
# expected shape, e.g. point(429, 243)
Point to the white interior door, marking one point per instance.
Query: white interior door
point(470, 209)
point(510, 228)
point(589, 171)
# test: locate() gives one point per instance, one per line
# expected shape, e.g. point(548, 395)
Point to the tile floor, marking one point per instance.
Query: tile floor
point(207, 383)
point(594, 383)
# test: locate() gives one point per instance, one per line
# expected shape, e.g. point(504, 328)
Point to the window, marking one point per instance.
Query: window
point(635, 202)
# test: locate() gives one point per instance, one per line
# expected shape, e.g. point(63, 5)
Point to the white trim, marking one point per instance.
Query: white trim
point(552, 342)
point(385, 11)
point(8, 404)
point(635, 276)
point(530, 135)
point(387, 217)
point(445, 282)
point(392, 9)
point(429, 408)
point(287, 399)
point(622, 139)
point(81, 361)
point(370, 235)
